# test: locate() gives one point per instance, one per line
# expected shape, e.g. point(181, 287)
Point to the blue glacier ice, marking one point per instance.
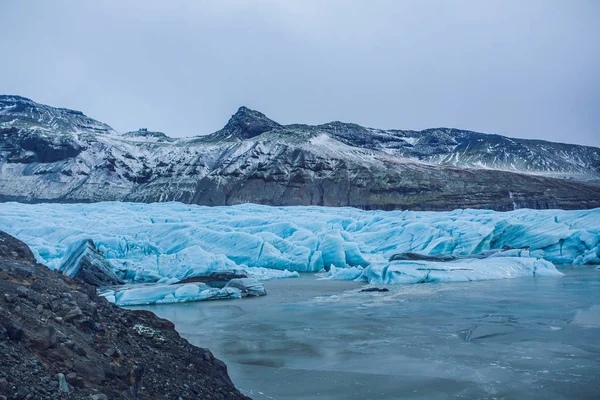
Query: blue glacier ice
point(167, 292)
point(404, 272)
point(150, 242)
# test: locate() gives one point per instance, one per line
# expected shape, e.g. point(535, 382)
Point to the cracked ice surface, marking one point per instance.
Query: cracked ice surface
point(146, 242)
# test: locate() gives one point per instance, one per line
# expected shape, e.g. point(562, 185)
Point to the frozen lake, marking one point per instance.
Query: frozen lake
point(535, 338)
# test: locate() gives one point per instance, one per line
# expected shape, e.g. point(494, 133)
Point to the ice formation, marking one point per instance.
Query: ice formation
point(403, 272)
point(164, 293)
point(150, 242)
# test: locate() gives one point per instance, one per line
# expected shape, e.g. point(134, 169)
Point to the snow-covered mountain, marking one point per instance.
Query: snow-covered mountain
point(55, 154)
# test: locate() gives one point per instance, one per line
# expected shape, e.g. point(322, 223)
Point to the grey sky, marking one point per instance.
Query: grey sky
point(518, 68)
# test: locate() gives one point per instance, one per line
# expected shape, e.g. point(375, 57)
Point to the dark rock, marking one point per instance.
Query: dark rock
point(71, 376)
point(56, 304)
point(112, 351)
point(98, 327)
point(450, 257)
point(15, 250)
point(70, 345)
point(136, 375)
point(421, 257)
point(84, 323)
point(38, 287)
point(47, 151)
point(89, 371)
point(79, 350)
point(45, 338)
point(15, 330)
point(23, 273)
point(79, 382)
point(117, 371)
point(10, 297)
point(74, 380)
point(85, 262)
point(50, 334)
point(154, 321)
point(122, 372)
point(74, 313)
point(21, 393)
point(22, 291)
point(375, 289)
point(215, 279)
point(91, 309)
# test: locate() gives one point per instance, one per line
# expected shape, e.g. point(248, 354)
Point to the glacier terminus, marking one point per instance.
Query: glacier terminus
point(163, 243)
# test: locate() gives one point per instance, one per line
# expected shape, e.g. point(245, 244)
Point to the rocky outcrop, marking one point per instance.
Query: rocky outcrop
point(146, 135)
point(58, 339)
point(49, 154)
point(505, 251)
point(374, 290)
point(422, 257)
point(86, 263)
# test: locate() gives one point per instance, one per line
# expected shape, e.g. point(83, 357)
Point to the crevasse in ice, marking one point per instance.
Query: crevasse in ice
point(146, 242)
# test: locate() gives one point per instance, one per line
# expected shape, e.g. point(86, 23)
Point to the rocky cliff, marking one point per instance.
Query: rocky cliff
point(58, 339)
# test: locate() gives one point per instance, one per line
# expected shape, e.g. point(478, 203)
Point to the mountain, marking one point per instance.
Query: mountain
point(60, 155)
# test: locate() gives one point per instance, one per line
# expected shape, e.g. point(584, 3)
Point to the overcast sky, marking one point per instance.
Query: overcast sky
point(519, 68)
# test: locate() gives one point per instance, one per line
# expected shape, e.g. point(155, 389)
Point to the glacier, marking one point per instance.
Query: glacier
point(155, 242)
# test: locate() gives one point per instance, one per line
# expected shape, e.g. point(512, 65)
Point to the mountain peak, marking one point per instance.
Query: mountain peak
point(244, 109)
point(247, 123)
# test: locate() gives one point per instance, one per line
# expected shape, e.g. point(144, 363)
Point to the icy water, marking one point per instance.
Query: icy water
point(527, 338)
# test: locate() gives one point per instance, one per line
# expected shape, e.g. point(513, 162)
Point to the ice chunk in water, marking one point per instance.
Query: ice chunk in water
point(403, 272)
point(161, 293)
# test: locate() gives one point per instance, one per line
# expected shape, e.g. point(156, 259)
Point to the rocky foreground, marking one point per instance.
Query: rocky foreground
point(58, 339)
